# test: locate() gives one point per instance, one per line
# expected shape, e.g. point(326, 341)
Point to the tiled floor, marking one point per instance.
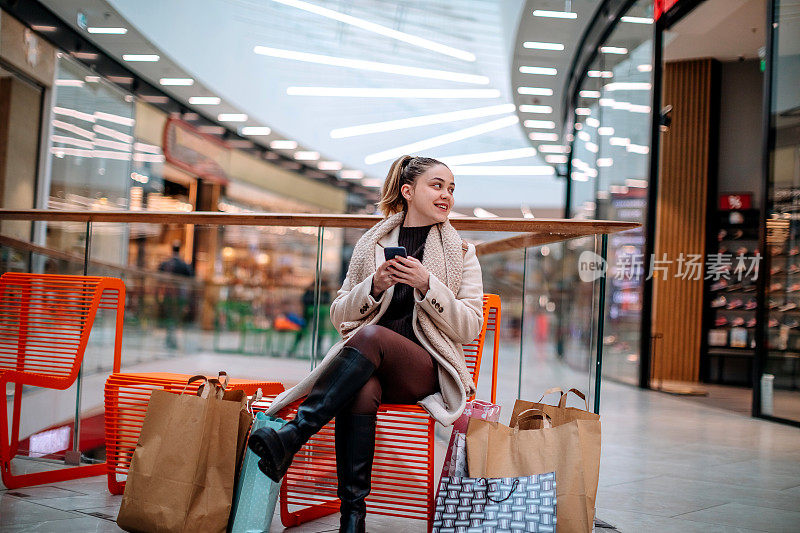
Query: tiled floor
point(668, 464)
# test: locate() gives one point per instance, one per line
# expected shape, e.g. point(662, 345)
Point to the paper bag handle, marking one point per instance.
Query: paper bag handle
point(222, 378)
point(535, 412)
point(202, 390)
point(550, 391)
point(253, 399)
point(563, 401)
point(219, 390)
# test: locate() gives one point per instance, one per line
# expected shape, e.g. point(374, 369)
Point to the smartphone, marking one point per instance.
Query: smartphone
point(390, 252)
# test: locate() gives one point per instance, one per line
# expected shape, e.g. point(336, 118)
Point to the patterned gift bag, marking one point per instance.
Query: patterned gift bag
point(455, 461)
point(256, 494)
point(482, 505)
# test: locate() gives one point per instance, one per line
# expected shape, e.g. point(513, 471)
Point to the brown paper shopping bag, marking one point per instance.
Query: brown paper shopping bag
point(181, 478)
point(570, 448)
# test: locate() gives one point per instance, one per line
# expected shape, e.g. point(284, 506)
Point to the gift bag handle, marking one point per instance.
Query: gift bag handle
point(551, 391)
point(513, 488)
point(253, 399)
point(222, 378)
point(563, 401)
point(535, 413)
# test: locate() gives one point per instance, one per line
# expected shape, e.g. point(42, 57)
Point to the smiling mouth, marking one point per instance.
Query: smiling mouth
point(443, 207)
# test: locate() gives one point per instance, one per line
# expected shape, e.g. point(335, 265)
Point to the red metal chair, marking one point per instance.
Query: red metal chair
point(45, 321)
point(403, 469)
point(126, 398)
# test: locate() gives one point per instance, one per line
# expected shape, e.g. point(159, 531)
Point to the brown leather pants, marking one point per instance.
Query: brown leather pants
point(405, 372)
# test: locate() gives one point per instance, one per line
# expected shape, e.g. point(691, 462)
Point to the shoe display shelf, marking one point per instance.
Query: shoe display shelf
point(730, 317)
point(783, 290)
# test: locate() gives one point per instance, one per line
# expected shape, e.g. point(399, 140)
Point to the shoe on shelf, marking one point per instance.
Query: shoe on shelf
point(735, 304)
point(751, 323)
point(719, 301)
point(788, 306)
point(719, 285)
point(751, 304)
point(738, 321)
point(720, 321)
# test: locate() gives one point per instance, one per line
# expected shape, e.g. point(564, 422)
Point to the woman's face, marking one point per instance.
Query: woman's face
point(430, 199)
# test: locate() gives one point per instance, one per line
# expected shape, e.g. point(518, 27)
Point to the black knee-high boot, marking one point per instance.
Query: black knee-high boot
point(345, 376)
point(355, 449)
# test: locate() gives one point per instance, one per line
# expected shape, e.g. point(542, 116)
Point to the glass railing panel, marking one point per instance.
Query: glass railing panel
point(244, 299)
point(503, 274)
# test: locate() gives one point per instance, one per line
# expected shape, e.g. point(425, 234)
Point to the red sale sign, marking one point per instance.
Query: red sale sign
point(730, 202)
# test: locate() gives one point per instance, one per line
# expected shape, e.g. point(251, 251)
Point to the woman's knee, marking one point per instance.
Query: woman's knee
point(367, 399)
point(368, 341)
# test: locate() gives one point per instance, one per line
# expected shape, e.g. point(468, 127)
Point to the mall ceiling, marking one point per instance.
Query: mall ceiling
point(358, 83)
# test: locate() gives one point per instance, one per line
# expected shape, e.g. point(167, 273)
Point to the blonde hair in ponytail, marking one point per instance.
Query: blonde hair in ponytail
point(404, 170)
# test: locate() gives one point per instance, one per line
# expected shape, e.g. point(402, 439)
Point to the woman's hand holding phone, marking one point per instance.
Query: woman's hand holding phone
point(409, 270)
point(382, 279)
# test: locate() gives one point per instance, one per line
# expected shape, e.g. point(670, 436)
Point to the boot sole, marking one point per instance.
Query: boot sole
point(263, 445)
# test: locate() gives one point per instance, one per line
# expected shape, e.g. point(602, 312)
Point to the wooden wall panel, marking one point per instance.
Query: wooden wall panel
point(685, 174)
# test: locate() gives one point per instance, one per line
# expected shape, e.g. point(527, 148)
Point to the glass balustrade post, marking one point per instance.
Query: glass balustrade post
point(317, 297)
point(601, 316)
point(73, 457)
point(522, 320)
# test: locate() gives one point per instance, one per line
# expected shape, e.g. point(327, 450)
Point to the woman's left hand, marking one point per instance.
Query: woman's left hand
point(409, 270)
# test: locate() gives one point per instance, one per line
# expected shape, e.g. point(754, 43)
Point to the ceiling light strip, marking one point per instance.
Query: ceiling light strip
point(543, 71)
point(488, 157)
point(541, 109)
point(375, 66)
point(424, 120)
point(151, 58)
point(441, 140)
point(380, 30)
point(204, 100)
point(367, 92)
point(107, 31)
point(535, 91)
point(568, 15)
point(536, 45)
point(500, 170)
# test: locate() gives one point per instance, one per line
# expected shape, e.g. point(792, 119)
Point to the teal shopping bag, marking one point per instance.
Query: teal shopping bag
point(256, 494)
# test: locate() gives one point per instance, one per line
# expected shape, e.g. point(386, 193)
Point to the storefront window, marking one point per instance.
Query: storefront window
point(779, 370)
point(609, 177)
point(90, 158)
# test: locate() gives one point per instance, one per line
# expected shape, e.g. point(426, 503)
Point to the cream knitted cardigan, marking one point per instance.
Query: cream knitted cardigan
point(444, 318)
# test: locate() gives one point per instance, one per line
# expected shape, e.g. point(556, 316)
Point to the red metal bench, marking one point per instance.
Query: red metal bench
point(126, 398)
point(45, 321)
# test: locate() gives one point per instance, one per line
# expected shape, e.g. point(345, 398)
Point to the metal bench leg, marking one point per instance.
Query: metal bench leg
point(9, 449)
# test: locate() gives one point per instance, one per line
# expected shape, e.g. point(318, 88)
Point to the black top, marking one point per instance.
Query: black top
point(400, 312)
